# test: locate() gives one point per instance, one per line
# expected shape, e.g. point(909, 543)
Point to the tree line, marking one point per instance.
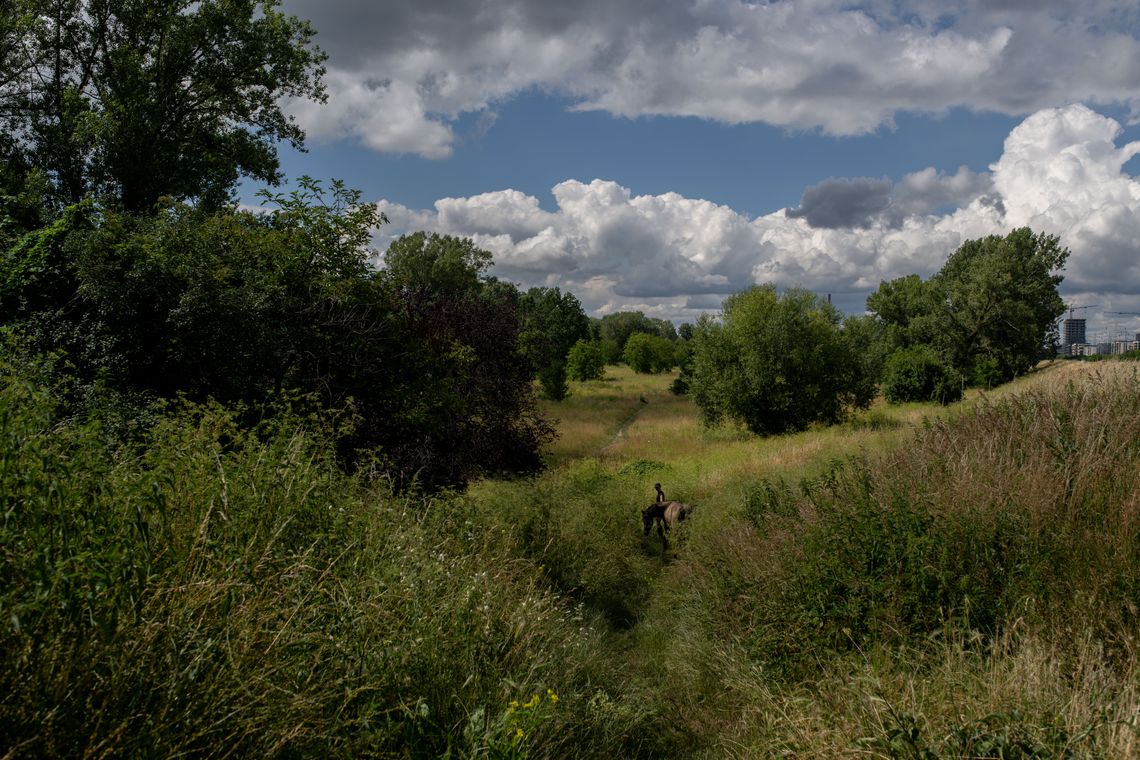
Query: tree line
point(782, 361)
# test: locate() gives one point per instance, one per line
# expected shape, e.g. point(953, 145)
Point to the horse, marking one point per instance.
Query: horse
point(666, 514)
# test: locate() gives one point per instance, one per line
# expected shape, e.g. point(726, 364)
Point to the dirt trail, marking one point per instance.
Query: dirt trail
point(625, 425)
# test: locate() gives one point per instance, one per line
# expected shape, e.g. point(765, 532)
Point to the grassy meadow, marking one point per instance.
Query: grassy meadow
point(920, 582)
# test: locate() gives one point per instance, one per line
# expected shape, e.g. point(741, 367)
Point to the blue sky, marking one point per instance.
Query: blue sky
point(658, 155)
point(536, 142)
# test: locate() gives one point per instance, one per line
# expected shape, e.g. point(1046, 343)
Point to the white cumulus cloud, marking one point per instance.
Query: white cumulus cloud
point(1060, 172)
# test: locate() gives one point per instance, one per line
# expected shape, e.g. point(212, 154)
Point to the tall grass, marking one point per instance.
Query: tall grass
point(919, 583)
point(222, 592)
point(970, 593)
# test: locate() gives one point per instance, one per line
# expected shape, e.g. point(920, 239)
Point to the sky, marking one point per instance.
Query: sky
point(660, 155)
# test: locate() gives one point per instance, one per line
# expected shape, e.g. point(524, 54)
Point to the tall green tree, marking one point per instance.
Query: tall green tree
point(989, 313)
point(462, 399)
point(135, 100)
point(647, 353)
point(552, 322)
point(776, 362)
point(997, 304)
point(902, 307)
point(615, 329)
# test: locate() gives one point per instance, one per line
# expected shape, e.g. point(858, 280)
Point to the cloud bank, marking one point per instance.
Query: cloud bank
point(401, 72)
point(1060, 172)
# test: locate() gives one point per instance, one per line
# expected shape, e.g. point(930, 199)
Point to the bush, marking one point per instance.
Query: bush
point(242, 308)
point(777, 363)
point(586, 361)
point(919, 374)
point(649, 354)
point(947, 532)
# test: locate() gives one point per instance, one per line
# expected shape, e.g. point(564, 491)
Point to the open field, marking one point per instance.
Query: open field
point(920, 582)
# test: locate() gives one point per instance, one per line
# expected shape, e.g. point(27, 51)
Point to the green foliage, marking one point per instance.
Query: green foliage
point(586, 361)
point(999, 303)
point(919, 374)
point(590, 549)
point(552, 323)
point(458, 401)
point(122, 101)
point(615, 329)
point(900, 306)
point(998, 735)
point(683, 357)
point(648, 353)
point(998, 518)
point(611, 352)
point(778, 362)
point(990, 312)
point(242, 308)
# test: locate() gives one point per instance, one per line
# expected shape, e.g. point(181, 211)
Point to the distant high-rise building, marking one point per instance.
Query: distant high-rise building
point(1073, 331)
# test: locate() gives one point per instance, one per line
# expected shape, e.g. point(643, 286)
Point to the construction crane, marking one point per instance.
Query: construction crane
point(1078, 308)
point(1116, 332)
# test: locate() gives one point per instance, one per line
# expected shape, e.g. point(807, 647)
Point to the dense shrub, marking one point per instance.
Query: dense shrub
point(919, 374)
point(777, 362)
point(241, 308)
point(1008, 514)
point(586, 361)
point(648, 353)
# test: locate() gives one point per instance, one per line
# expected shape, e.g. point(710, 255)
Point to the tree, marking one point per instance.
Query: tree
point(918, 373)
point(139, 100)
point(615, 329)
point(421, 360)
point(997, 304)
point(989, 312)
point(552, 322)
point(902, 308)
point(460, 393)
point(586, 361)
point(776, 362)
point(647, 353)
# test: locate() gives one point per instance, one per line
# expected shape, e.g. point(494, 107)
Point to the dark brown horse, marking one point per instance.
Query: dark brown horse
point(666, 514)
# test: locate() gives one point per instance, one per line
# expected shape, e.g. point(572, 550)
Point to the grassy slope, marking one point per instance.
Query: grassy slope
point(682, 626)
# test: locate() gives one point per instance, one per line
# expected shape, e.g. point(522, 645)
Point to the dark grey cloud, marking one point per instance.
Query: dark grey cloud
point(932, 192)
point(839, 203)
point(844, 203)
point(356, 31)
